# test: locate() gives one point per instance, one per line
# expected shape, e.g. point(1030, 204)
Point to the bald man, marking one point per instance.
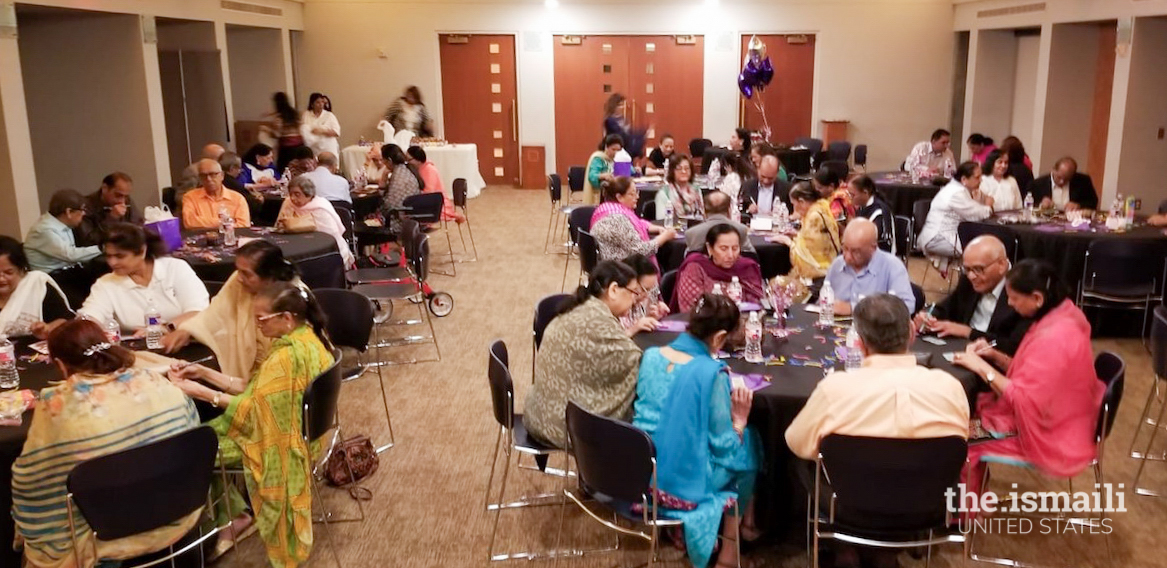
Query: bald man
point(758, 194)
point(717, 206)
point(979, 307)
point(213, 151)
point(865, 270)
point(329, 185)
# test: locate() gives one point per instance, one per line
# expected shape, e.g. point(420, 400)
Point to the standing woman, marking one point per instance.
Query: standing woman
point(616, 122)
point(685, 199)
point(287, 130)
point(321, 128)
point(408, 112)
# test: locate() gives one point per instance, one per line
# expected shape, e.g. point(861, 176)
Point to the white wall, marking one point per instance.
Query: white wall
point(1070, 93)
point(893, 90)
point(257, 70)
point(1144, 153)
point(1024, 84)
point(992, 103)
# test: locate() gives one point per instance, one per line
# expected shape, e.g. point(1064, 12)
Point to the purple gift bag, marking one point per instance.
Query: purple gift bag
point(169, 230)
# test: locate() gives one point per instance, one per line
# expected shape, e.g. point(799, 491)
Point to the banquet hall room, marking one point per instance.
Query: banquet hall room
point(514, 103)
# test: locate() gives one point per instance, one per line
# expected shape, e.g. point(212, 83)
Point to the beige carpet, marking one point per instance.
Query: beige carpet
point(428, 495)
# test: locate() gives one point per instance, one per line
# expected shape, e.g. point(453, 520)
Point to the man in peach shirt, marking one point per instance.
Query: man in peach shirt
point(200, 207)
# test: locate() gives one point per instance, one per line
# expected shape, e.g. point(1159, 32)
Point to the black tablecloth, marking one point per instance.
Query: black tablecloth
point(774, 257)
point(314, 254)
point(779, 493)
point(901, 193)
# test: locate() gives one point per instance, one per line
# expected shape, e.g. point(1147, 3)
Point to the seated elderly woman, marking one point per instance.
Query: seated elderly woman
point(817, 243)
point(303, 211)
point(404, 181)
point(706, 457)
point(259, 168)
point(961, 200)
point(679, 193)
point(31, 303)
point(721, 263)
point(105, 405)
point(227, 326)
point(648, 310)
point(617, 229)
point(260, 427)
point(142, 278)
point(586, 355)
point(600, 165)
point(1045, 406)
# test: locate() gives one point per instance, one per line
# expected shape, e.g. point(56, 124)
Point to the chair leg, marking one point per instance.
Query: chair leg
point(1143, 418)
point(566, 264)
point(385, 402)
point(506, 469)
point(450, 247)
point(493, 464)
point(327, 528)
point(470, 230)
point(1146, 452)
point(551, 221)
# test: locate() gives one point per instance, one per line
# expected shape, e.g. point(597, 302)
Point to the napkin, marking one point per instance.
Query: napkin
point(676, 326)
point(753, 381)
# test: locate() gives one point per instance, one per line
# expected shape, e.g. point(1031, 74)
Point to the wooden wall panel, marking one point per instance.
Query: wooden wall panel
point(480, 101)
point(790, 96)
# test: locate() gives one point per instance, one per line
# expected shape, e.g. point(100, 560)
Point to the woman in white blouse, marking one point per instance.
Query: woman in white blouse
point(737, 170)
point(142, 276)
point(321, 128)
point(960, 200)
point(999, 184)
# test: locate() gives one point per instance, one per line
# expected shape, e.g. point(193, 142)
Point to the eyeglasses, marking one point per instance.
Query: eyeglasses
point(264, 319)
point(979, 271)
point(637, 293)
point(206, 175)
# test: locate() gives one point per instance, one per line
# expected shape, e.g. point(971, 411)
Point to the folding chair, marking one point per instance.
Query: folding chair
point(413, 289)
point(861, 157)
point(460, 199)
point(1123, 274)
point(589, 254)
point(426, 209)
point(579, 218)
point(575, 182)
point(905, 237)
point(545, 311)
point(1158, 344)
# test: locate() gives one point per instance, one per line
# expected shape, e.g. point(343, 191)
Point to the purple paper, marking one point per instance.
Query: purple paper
point(750, 307)
point(676, 326)
point(1048, 228)
point(753, 381)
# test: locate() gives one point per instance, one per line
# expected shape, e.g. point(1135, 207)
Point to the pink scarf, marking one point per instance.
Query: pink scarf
point(615, 207)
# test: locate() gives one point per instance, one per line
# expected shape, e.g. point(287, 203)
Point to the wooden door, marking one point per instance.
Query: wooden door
point(666, 87)
point(480, 101)
point(588, 69)
point(790, 95)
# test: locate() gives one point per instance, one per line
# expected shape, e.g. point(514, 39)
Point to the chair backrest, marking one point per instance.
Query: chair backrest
point(815, 145)
point(350, 317)
point(545, 311)
point(1124, 262)
point(918, 292)
point(648, 210)
point(967, 231)
point(668, 283)
point(920, 211)
point(502, 388)
point(321, 400)
point(575, 178)
point(580, 218)
point(424, 207)
point(839, 150)
point(589, 252)
point(613, 457)
point(421, 258)
point(213, 287)
point(344, 210)
point(460, 192)
point(796, 162)
point(146, 487)
point(710, 154)
point(840, 168)
point(697, 146)
point(1158, 341)
point(903, 235)
point(170, 198)
point(894, 484)
point(1111, 370)
point(555, 187)
point(861, 155)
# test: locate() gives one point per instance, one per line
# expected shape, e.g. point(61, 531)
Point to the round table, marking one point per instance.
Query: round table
point(314, 254)
point(901, 193)
point(791, 383)
point(773, 257)
point(363, 205)
point(452, 160)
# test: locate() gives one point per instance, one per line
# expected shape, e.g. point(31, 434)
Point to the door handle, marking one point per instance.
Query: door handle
point(741, 113)
point(514, 120)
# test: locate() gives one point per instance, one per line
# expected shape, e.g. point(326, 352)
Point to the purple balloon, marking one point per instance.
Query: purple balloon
point(766, 73)
point(744, 84)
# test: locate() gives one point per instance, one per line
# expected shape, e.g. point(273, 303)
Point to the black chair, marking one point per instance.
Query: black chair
point(1158, 344)
point(589, 254)
point(545, 311)
point(409, 235)
point(350, 324)
point(904, 236)
point(144, 488)
point(426, 208)
point(1123, 274)
point(668, 283)
point(170, 199)
point(648, 210)
point(213, 287)
point(861, 156)
point(839, 151)
point(616, 465)
point(967, 231)
point(344, 210)
point(461, 198)
point(814, 145)
point(559, 210)
point(918, 293)
point(579, 218)
point(883, 492)
point(711, 154)
point(575, 181)
point(840, 167)
point(512, 437)
point(697, 147)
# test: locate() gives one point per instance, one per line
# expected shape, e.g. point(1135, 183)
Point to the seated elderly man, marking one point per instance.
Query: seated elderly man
point(717, 206)
point(1064, 188)
point(865, 270)
point(200, 207)
point(329, 185)
point(111, 203)
point(979, 307)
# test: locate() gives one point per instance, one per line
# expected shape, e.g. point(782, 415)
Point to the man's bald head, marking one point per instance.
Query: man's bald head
point(716, 203)
point(860, 240)
point(328, 160)
point(213, 151)
point(985, 262)
point(768, 171)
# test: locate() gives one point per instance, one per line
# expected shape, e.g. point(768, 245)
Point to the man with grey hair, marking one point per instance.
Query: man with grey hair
point(329, 185)
point(890, 396)
point(717, 206)
point(201, 206)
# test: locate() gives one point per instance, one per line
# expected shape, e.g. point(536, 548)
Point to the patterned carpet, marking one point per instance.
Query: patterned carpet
point(428, 495)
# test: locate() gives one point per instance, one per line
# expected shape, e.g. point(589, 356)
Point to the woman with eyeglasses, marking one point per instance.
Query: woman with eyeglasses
point(646, 313)
point(586, 356)
point(617, 229)
point(260, 428)
point(679, 192)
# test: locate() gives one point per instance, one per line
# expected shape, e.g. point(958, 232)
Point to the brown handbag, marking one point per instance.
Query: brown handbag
point(351, 461)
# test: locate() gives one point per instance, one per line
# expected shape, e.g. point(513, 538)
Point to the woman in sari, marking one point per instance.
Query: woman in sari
point(304, 211)
point(817, 243)
point(617, 229)
point(707, 459)
point(827, 183)
point(404, 181)
point(227, 326)
point(678, 193)
point(723, 262)
point(322, 129)
point(600, 166)
point(1044, 409)
point(260, 427)
point(105, 405)
point(31, 303)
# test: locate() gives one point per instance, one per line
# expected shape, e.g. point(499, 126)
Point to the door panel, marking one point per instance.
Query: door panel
point(586, 74)
point(789, 97)
point(673, 72)
point(480, 101)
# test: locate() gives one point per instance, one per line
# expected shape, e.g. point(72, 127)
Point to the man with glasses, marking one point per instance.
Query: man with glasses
point(865, 270)
point(111, 203)
point(200, 207)
point(52, 248)
point(979, 306)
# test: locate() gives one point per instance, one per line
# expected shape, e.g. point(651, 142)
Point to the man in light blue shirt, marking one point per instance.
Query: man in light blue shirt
point(865, 270)
point(50, 244)
point(329, 185)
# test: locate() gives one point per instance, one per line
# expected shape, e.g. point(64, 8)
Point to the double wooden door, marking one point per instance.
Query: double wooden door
point(480, 101)
point(661, 77)
point(789, 98)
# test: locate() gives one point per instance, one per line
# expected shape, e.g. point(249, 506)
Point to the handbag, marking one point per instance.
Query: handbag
point(351, 461)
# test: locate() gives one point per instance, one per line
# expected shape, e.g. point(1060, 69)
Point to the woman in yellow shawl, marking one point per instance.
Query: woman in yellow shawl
point(817, 242)
point(260, 428)
point(227, 326)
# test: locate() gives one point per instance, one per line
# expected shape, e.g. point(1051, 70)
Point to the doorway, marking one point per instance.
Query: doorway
point(480, 101)
point(789, 99)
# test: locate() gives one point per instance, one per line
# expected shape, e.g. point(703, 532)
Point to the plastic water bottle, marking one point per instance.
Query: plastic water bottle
point(1029, 206)
point(1130, 212)
point(227, 228)
point(734, 291)
point(717, 291)
point(754, 338)
point(113, 331)
point(153, 326)
point(780, 216)
point(854, 358)
point(826, 305)
point(9, 376)
point(670, 220)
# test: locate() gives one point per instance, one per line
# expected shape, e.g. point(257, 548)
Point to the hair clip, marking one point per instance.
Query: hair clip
point(96, 348)
point(700, 304)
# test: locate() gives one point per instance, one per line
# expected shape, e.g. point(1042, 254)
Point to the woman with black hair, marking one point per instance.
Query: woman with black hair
point(616, 123)
point(961, 200)
point(259, 169)
point(586, 355)
point(408, 112)
point(404, 181)
point(141, 279)
point(321, 128)
point(31, 303)
point(1044, 407)
point(287, 128)
point(870, 205)
point(830, 186)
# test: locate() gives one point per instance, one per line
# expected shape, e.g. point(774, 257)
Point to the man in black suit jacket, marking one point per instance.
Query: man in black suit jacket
point(766, 184)
point(979, 306)
point(1074, 190)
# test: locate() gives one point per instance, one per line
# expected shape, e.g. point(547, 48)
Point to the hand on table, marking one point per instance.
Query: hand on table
point(923, 320)
point(183, 371)
point(985, 351)
point(842, 308)
point(949, 328)
point(1071, 206)
point(659, 311)
point(175, 340)
point(972, 362)
point(1046, 203)
point(644, 324)
point(752, 209)
point(783, 239)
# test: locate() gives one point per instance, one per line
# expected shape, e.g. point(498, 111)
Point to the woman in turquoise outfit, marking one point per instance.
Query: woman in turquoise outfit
point(707, 458)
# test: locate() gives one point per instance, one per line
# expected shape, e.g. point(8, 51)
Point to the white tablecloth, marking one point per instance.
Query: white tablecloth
point(452, 160)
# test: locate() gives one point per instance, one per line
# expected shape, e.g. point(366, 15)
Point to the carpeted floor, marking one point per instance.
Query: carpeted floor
point(428, 495)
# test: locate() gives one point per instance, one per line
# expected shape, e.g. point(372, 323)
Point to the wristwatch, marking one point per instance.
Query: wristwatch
point(990, 377)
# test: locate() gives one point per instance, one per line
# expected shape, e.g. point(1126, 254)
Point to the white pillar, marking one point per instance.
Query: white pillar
point(1033, 146)
point(154, 102)
point(1118, 99)
point(970, 81)
point(19, 201)
point(221, 45)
